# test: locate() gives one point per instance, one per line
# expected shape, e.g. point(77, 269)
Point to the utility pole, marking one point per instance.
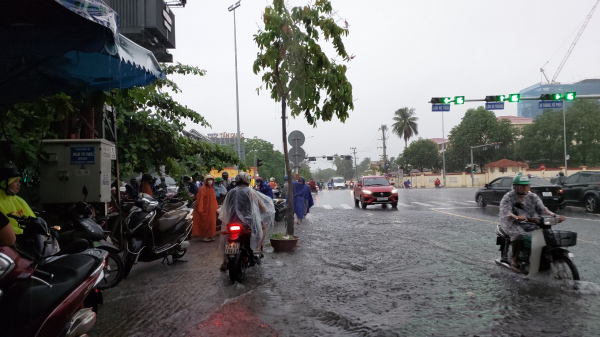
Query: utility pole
point(383, 130)
point(565, 132)
point(237, 98)
point(355, 168)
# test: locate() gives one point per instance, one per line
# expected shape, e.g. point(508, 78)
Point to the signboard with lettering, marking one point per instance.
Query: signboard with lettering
point(82, 155)
point(494, 106)
point(550, 104)
point(440, 107)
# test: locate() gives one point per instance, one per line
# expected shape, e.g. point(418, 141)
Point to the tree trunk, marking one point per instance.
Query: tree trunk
point(290, 192)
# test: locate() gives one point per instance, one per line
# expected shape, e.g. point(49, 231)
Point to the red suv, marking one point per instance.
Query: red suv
point(371, 190)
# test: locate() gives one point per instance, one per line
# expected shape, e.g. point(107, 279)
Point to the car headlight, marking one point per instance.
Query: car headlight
point(366, 192)
point(394, 191)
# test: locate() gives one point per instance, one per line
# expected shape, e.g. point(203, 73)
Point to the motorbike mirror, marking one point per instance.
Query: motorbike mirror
point(392, 183)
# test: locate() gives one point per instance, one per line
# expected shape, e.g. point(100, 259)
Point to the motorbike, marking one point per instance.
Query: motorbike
point(45, 291)
point(547, 249)
point(280, 209)
point(156, 229)
point(329, 187)
point(83, 226)
point(239, 254)
point(314, 189)
point(277, 192)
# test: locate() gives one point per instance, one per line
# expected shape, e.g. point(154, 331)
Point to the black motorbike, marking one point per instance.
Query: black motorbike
point(280, 209)
point(156, 230)
point(277, 192)
point(239, 254)
point(545, 251)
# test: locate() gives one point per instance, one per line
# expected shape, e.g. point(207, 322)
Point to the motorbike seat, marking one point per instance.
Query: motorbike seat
point(173, 206)
point(33, 299)
point(170, 219)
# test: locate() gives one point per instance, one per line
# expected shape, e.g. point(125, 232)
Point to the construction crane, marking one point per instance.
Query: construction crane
point(564, 60)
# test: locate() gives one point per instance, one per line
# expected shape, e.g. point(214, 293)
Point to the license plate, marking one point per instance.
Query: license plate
point(232, 248)
point(382, 199)
point(547, 194)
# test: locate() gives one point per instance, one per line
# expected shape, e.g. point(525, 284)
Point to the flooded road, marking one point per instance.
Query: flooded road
point(424, 269)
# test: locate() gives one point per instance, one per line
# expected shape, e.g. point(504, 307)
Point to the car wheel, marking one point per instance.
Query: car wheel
point(362, 203)
point(591, 204)
point(480, 201)
point(355, 202)
point(394, 205)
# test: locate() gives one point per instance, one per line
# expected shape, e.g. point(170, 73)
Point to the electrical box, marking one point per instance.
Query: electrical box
point(76, 165)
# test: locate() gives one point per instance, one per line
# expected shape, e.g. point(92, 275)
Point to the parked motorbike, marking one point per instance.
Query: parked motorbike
point(280, 209)
point(547, 249)
point(277, 192)
point(239, 254)
point(156, 229)
point(51, 294)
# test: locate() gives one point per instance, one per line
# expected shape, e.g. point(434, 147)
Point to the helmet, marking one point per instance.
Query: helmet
point(301, 179)
point(521, 180)
point(285, 177)
point(147, 177)
point(225, 175)
point(187, 178)
point(8, 172)
point(258, 180)
point(243, 178)
point(218, 180)
point(272, 179)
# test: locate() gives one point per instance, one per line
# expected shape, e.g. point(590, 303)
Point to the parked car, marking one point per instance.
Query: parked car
point(371, 190)
point(491, 194)
point(582, 189)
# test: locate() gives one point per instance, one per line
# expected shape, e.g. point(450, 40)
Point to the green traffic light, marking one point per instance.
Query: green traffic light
point(570, 96)
point(557, 97)
point(459, 100)
point(502, 98)
point(514, 98)
point(446, 100)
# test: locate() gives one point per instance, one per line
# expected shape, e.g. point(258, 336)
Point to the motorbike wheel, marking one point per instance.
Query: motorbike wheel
point(564, 269)
point(129, 261)
point(237, 272)
point(179, 254)
point(113, 271)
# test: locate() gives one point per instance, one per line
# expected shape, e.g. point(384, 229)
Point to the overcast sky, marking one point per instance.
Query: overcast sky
point(406, 53)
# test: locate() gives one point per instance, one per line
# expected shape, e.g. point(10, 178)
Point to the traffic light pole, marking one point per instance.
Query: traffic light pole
point(444, 151)
point(472, 169)
point(565, 135)
point(355, 168)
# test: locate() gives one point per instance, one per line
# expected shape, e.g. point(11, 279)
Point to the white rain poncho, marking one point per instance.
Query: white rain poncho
point(243, 204)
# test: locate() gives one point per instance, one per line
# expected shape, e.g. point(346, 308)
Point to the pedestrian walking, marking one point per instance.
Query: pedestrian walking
point(205, 212)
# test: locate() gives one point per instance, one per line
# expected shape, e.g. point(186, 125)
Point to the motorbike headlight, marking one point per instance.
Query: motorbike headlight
point(394, 191)
point(6, 265)
point(366, 192)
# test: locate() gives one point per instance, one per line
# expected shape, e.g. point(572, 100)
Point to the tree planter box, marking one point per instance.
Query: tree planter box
point(283, 245)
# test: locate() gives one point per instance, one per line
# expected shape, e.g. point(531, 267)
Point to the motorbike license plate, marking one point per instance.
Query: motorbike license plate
point(546, 194)
point(382, 199)
point(232, 248)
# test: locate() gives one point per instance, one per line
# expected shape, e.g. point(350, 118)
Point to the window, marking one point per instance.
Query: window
point(585, 178)
point(496, 183)
point(572, 179)
point(503, 169)
point(596, 178)
point(515, 169)
point(506, 182)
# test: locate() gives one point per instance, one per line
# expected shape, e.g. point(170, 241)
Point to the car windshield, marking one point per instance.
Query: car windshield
point(379, 181)
point(338, 180)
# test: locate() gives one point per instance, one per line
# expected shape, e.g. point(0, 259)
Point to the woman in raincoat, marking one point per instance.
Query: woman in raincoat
point(245, 205)
point(302, 199)
point(205, 212)
point(10, 202)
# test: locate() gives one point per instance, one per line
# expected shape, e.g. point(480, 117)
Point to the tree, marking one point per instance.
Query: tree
point(273, 160)
point(363, 166)
point(304, 171)
point(422, 154)
point(343, 167)
point(405, 124)
point(542, 140)
point(583, 132)
point(324, 175)
point(297, 71)
point(479, 127)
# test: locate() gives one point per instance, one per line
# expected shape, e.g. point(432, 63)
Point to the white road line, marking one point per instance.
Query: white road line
point(460, 202)
point(458, 207)
point(471, 201)
point(421, 203)
point(327, 207)
point(439, 203)
point(405, 205)
point(346, 206)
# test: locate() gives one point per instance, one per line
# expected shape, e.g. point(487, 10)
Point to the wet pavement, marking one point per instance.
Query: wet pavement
point(424, 269)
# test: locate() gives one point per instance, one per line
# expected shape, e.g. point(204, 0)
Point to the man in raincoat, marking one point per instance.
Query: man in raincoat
point(205, 212)
point(246, 206)
point(10, 202)
point(302, 199)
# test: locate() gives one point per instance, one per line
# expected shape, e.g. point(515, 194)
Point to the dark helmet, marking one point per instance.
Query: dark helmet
point(8, 172)
point(301, 179)
point(225, 175)
point(258, 180)
point(147, 177)
point(186, 178)
point(132, 181)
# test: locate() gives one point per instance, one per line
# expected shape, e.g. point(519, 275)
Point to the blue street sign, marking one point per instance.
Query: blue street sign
point(440, 107)
point(550, 104)
point(494, 106)
point(82, 155)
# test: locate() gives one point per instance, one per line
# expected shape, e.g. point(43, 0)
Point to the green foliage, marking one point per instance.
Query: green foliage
point(304, 171)
point(363, 166)
point(479, 127)
point(422, 154)
point(344, 168)
point(273, 160)
point(405, 124)
point(324, 175)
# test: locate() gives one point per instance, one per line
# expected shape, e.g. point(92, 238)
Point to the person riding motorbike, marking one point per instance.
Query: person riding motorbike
point(7, 233)
point(190, 186)
point(532, 207)
point(407, 184)
point(329, 185)
point(312, 184)
point(320, 184)
point(272, 183)
point(10, 202)
point(146, 185)
point(227, 183)
point(245, 206)
point(263, 187)
point(220, 190)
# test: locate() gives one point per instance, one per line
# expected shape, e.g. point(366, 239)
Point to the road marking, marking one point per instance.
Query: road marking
point(370, 214)
point(460, 202)
point(346, 206)
point(327, 207)
point(568, 217)
point(405, 205)
point(439, 203)
point(456, 207)
point(464, 216)
point(421, 203)
point(471, 201)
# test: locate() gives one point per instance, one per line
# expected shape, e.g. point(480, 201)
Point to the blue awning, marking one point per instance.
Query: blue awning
point(52, 46)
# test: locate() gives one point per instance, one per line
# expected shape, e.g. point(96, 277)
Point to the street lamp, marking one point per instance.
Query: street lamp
point(237, 98)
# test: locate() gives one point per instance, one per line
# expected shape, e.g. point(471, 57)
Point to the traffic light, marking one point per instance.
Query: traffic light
point(312, 159)
point(459, 100)
point(474, 168)
point(441, 100)
point(514, 98)
point(259, 162)
point(570, 96)
point(348, 157)
point(551, 97)
point(495, 98)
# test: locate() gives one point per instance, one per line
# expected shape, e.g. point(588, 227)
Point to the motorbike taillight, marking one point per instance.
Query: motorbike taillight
point(234, 231)
point(235, 228)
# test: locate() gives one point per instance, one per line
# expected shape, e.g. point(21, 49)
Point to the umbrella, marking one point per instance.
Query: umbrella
point(71, 46)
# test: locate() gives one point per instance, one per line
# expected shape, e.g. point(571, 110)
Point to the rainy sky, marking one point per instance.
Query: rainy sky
point(406, 53)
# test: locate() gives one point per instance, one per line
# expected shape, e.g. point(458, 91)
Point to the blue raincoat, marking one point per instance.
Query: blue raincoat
point(300, 194)
point(266, 190)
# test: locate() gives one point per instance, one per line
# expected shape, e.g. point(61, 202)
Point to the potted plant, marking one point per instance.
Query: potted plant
point(283, 242)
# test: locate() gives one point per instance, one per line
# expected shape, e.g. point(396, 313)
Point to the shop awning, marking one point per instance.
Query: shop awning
point(71, 46)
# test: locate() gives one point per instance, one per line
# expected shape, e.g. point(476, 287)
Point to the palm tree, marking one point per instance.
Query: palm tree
point(405, 124)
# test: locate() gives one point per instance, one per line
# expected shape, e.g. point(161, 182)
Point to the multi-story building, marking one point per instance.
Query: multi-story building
point(530, 109)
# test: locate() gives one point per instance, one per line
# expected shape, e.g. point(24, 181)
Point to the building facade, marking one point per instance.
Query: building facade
point(530, 109)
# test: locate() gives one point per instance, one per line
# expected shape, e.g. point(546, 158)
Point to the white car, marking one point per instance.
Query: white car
point(339, 182)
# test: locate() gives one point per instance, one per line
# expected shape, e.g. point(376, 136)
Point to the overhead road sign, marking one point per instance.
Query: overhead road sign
point(459, 100)
point(440, 107)
point(550, 104)
point(496, 98)
point(494, 106)
point(441, 100)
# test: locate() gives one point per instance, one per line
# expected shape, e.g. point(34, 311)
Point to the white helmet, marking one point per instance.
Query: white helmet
point(272, 179)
